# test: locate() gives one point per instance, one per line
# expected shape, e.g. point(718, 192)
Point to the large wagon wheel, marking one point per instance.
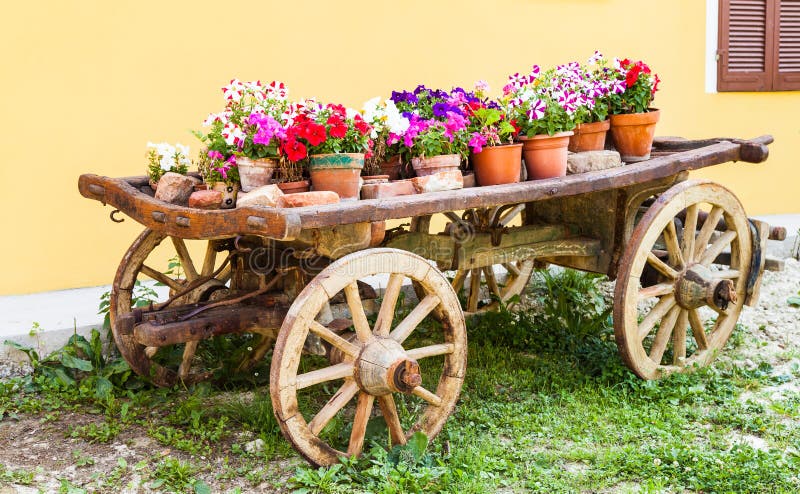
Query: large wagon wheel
point(413, 365)
point(479, 288)
point(699, 283)
point(168, 365)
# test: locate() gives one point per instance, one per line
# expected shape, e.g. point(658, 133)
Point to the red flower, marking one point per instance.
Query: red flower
point(338, 127)
point(475, 105)
point(515, 125)
point(633, 75)
point(655, 85)
point(314, 133)
point(363, 127)
point(294, 149)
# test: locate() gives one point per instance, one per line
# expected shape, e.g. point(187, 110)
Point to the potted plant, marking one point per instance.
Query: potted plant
point(335, 140)
point(633, 121)
point(591, 117)
point(496, 159)
point(163, 158)
point(221, 174)
point(385, 119)
point(544, 107)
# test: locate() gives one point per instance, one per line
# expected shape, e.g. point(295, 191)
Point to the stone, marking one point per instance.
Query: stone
point(391, 189)
point(255, 446)
point(265, 196)
point(175, 188)
point(205, 199)
point(589, 161)
point(437, 182)
point(302, 199)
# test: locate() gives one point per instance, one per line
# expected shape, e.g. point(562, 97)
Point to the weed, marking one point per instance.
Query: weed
point(174, 475)
point(21, 477)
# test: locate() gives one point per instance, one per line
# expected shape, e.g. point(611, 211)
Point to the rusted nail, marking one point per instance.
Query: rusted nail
point(159, 216)
point(182, 221)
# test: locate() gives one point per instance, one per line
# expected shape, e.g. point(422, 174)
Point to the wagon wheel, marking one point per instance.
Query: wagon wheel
point(413, 366)
point(695, 288)
point(479, 287)
point(167, 365)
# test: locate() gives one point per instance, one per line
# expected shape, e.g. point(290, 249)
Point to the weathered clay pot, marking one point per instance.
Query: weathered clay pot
point(337, 172)
point(469, 180)
point(229, 192)
point(375, 179)
point(392, 167)
point(633, 134)
point(255, 173)
point(294, 187)
point(435, 164)
point(498, 164)
point(546, 156)
point(589, 137)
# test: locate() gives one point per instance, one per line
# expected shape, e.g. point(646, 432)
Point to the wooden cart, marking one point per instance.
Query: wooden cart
point(302, 282)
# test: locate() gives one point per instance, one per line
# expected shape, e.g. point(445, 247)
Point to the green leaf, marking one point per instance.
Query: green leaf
point(80, 342)
point(417, 444)
point(76, 363)
point(63, 377)
point(201, 487)
point(103, 387)
point(794, 301)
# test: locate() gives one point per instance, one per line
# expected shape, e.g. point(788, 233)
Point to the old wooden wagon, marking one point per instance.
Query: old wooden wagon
point(303, 281)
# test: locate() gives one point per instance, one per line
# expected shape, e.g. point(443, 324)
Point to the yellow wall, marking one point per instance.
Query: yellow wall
point(85, 84)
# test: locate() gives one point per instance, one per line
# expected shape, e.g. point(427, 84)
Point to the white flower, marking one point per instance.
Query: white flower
point(395, 121)
point(371, 110)
point(167, 162)
point(182, 149)
point(350, 113)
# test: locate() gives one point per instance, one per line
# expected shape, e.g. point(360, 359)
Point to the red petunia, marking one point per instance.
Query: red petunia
point(515, 125)
point(633, 75)
point(295, 150)
point(314, 133)
point(338, 127)
point(363, 127)
point(655, 85)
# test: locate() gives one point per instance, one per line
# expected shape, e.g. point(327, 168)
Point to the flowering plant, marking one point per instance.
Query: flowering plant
point(385, 119)
point(437, 121)
point(164, 157)
point(637, 87)
point(488, 124)
point(543, 103)
point(214, 167)
point(252, 123)
point(318, 129)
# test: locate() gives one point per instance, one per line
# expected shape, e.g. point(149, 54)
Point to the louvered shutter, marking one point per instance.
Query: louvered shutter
point(787, 52)
point(745, 55)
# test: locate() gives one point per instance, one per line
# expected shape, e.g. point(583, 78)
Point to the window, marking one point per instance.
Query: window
point(759, 45)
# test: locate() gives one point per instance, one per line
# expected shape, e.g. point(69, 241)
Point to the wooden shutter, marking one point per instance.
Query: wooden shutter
point(787, 49)
point(745, 56)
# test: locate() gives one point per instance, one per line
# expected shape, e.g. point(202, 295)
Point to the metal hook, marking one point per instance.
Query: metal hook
point(115, 220)
point(238, 248)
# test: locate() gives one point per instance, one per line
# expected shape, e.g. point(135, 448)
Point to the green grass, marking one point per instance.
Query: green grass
point(547, 406)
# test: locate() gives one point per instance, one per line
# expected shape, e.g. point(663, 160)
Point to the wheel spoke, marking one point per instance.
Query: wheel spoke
point(333, 372)
point(334, 339)
point(458, 281)
point(186, 361)
point(185, 258)
point(656, 290)
point(430, 351)
point(151, 351)
point(360, 322)
point(689, 232)
point(363, 411)
point(160, 277)
point(210, 260)
point(474, 290)
point(717, 247)
point(412, 320)
point(698, 329)
point(661, 266)
point(336, 403)
point(656, 313)
point(389, 412)
point(679, 338)
point(488, 272)
point(663, 334)
point(673, 248)
point(511, 269)
point(705, 232)
point(427, 396)
point(384, 321)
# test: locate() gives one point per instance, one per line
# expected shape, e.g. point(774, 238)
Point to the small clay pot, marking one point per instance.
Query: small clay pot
point(435, 164)
point(392, 167)
point(469, 180)
point(546, 156)
point(337, 172)
point(253, 173)
point(633, 134)
point(294, 187)
point(375, 179)
point(496, 165)
point(229, 193)
point(589, 137)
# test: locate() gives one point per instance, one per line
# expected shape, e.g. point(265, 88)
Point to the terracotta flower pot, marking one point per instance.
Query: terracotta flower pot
point(255, 173)
point(435, 164)
point(589, 137)
point(392, 167)
point(633, 134)
point(498, 164)
point(229, 193)
point(337, 172)
point(294, 187)
point(375, 179)
point(546, 156)
point(469, 180)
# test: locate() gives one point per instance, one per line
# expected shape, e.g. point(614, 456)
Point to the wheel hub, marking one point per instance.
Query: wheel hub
point(697, 286)
point(383, 367)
